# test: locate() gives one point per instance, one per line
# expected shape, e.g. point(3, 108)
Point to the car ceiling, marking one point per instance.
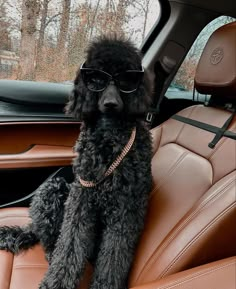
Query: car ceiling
point(224, 7)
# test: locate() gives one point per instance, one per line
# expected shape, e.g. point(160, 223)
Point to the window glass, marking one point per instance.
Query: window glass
point(45, 40)
point(182, 85)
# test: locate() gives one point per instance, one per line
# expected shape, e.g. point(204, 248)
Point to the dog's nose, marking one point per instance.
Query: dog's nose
point(110, 100)
point(111, 103)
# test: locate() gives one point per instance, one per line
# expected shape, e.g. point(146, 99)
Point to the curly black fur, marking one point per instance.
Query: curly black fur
point(46, 212)
point(112, 56)
point(101, 224)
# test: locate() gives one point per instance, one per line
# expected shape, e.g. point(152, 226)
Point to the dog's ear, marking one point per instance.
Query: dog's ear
point(74, 106)
point(82, 103)
point(141, 100)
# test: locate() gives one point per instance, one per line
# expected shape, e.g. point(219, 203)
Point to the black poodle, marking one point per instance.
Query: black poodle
point(99, 217)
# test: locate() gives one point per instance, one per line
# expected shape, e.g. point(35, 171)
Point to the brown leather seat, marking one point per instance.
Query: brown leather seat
point(216, 275)
point(192, 213)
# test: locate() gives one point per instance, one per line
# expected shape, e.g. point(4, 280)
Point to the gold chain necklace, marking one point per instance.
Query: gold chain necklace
point(114, 165)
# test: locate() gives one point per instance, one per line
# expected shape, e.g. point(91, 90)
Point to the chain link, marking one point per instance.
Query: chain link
point(114, 165)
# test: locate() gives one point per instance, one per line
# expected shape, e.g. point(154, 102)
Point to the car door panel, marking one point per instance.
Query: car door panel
point(37, 144)
point(30, 151)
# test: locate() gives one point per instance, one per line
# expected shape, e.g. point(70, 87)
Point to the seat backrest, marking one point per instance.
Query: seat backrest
point(192, 213)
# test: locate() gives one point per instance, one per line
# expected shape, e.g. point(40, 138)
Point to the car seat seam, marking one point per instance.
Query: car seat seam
point(184, 124)
point(10, 281)
point(158, 146)
point(193, 241)
point(170, 172)
point(196, 275)
point(30, 266)
point(208, 202)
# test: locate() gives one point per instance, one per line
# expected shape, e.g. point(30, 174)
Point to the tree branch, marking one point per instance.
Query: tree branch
point(51, 19)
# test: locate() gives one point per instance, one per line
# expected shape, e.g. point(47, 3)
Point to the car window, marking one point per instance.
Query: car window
point(182, 85)
point(46, 40)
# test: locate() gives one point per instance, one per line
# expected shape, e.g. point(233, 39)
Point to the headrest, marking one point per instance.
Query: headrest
point(216, 70)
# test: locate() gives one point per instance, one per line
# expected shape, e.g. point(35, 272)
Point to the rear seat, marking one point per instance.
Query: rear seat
point(192, 212)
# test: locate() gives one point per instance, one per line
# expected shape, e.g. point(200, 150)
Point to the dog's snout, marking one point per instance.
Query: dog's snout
point(111, 103)
point(110, 100)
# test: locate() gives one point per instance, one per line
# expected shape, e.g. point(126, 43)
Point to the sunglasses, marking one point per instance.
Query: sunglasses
point(98, 80)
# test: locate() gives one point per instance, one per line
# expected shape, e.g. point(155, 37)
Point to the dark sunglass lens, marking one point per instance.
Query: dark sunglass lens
point(95, 80)
point(129, 80)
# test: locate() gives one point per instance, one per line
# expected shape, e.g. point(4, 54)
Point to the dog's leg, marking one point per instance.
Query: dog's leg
point(47, 210)
point(116, 252)
point(75, 244)
point(15, 239)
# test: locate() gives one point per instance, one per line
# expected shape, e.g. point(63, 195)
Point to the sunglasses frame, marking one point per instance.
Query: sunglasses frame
point(111, 78)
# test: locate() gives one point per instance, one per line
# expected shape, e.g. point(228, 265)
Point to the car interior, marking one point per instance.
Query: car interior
point(189, 239)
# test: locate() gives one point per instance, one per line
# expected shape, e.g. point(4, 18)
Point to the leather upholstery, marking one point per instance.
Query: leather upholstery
point(192, 206)
point(217, 275)
point(192, 212)
point(191, 216)
point(23, 271)
point(14, 217)
point(27, 270)
point(38, 144)
point(216, 71)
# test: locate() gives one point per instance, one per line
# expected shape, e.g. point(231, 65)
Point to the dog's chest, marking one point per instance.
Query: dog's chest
point(98, 151)
point(98, 154)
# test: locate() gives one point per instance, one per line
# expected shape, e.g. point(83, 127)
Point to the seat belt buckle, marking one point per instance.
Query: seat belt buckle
point(150, 117)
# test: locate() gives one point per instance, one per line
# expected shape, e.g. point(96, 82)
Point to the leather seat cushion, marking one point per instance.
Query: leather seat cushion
point(216, 275)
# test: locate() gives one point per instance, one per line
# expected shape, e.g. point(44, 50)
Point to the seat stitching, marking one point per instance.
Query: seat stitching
point(184, 124)
point(185, 153)
point(197, 237)
point(13, 258)
point(16, 216)
point(202, 206)
point(154, 191)
point(160, 139)
point(152, 195)
point(218, 193)
point(170, 171)
point(30, 266)
point(196, 275)
point(152, 138)
point(222, 214)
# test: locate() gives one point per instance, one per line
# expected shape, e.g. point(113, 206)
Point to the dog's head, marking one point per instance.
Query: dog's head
point(110, 82)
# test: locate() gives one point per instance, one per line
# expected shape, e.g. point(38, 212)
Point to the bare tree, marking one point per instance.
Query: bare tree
point(80, 34)
point(120, 16)
point(64, 25)
point(43, 24)
point(5, 43)
point(61, 43)
point(143, 7)
point(94, 17)
point(50, 36)
point(30, 12)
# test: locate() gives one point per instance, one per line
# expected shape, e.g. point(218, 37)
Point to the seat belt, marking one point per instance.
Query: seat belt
point(162, 70)
point(218, 131)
